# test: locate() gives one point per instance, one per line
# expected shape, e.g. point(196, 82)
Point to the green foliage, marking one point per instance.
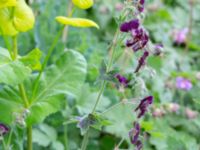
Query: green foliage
point(12, 72)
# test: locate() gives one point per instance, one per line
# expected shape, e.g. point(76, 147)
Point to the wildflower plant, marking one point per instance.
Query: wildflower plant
point(32, 89)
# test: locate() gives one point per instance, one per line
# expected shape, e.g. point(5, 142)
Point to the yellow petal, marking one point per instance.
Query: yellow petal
point(76, 22)
point(7, 3)
point(83, 4)
point(23, 17)
point(6, 23)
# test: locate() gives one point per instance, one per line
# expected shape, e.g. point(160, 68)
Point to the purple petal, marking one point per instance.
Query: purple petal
point(128, 26)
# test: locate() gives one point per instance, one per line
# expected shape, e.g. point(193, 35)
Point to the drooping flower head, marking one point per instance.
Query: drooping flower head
point(183, 83)
point(122, 80)
point(3, 129)
point(77, 22)
point(19, 19)
point(134, 133)
point(143, 106)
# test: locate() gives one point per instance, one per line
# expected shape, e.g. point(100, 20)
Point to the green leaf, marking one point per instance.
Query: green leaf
point(10, 103)
point(32, 59)
point(87, 98)
point(64, 78)
point(12, 72)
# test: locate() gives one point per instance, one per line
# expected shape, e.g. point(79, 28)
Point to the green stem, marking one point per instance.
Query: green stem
point(23, 94)
point(66, 137)
point(103, 85)
point(50, 50)
point(190, 24)
point(85, 140)
point(29, 138)
point(15, 50)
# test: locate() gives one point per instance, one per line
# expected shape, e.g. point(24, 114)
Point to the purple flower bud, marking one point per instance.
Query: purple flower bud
point(138, 145)
point(3, 129)
point(158, 49)
point(144, 104)
point(140, 5)
point(131, 25)
point(134, 133)
point(190, 113)
point(180, 36)
point(142, 61)
point(183, 83)
point(122, 80)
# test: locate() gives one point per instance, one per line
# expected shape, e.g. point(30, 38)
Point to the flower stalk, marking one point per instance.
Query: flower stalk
point(103, 85)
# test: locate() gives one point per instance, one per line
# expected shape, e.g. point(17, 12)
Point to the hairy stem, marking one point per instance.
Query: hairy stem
point(103, 85)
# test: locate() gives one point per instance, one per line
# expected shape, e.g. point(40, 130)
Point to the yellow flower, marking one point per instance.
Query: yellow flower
point(7, 3)
point(23, 17)
point(6, 23)
point(83, 4)
point(16, 19)
point(76, 22)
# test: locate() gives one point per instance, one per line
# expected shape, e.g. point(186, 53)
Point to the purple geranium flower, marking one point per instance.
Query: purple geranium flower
point(3, 129)
point(139, 39)
point(131, 25)
point(183, 83)
point(144, 105)
point(142, 61)
point(122, 80)
point(134, 133)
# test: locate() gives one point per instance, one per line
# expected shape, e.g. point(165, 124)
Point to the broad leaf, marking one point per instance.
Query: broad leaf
point(12, 72)
point(65, 77)
point(32, 59)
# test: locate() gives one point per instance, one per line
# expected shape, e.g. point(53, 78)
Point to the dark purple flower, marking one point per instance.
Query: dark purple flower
point(142, 61)
point(140, 5)
point(122, 80)
point(139, 39)
point(142, 107)
point(131, 25)
point(138, 145)
point(183, 83)
point(3, 129)
point(134, 133)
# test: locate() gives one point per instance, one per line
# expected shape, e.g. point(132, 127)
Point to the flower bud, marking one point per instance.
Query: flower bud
point(83, 4)
point(173, 107)
point(190, 114)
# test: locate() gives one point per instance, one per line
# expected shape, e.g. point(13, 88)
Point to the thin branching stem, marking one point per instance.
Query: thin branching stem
point(103, 85)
